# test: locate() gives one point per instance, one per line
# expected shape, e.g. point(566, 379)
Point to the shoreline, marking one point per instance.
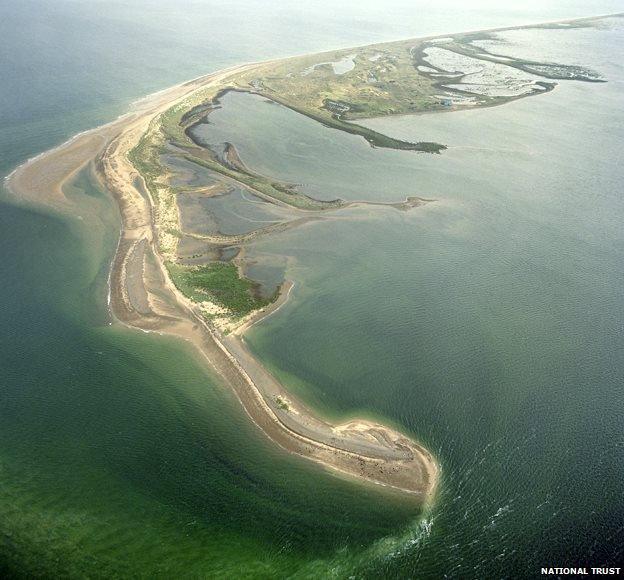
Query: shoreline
point(142, 296)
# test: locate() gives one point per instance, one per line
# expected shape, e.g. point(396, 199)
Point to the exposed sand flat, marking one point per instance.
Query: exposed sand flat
point(41, 178)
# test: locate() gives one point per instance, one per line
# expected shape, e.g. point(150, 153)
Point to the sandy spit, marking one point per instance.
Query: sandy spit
point(142, 296)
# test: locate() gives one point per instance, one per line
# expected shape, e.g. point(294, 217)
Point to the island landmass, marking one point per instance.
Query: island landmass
point(169, 277)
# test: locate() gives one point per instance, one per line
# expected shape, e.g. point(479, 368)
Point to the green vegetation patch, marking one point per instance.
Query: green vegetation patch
point(283, 405)
point(218, 282)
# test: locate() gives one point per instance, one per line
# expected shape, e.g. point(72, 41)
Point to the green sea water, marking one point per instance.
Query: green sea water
point(488, 325)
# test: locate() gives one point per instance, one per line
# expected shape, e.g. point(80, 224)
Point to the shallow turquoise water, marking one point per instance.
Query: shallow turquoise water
point(498, 341)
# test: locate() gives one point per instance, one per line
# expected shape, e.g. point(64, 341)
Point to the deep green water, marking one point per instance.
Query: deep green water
point(489, 324)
